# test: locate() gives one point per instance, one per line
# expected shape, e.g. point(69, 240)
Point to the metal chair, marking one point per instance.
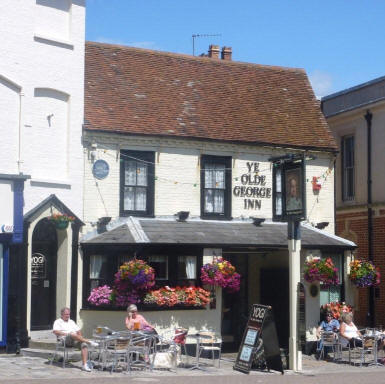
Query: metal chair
point(167, 353)
point(60, 349)
point(116, 351)
point(179, 339)
point(141, 351)
point(211, 344)
point(356, 352)
point(328, 340)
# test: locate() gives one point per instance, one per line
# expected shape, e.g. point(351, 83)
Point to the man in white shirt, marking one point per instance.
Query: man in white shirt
point(70, 333)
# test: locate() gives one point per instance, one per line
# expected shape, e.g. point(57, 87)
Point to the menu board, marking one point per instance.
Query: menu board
point(260, 325)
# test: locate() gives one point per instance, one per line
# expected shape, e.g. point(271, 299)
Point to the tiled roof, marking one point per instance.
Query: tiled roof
point(137, 91)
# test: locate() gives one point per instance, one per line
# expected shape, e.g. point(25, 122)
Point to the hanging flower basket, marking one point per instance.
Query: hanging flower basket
point(61, 221)
point(185, 296)
point(336, 309)
point(364, 274)
point(136, 273)
point(220, 273)
point(322, 270)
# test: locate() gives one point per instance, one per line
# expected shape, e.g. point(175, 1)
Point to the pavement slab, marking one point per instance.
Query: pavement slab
point(15, 367)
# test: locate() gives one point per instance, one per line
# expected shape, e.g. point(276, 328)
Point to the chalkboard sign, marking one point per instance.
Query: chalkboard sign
point(260, 325)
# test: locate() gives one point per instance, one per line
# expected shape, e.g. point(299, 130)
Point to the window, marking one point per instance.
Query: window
point(187, 269)
point(172, 268)
point(216, 187)
point(137, 175)
point(333, 293)
point(347, 155)
point(160, 264)
point(98, 270)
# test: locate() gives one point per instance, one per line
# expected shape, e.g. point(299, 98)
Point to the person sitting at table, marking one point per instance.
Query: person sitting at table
point(69, 331)
point(136, 322)
point(349, 333)
point(328, 325)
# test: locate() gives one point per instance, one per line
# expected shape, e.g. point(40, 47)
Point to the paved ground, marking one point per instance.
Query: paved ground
point(15, 369)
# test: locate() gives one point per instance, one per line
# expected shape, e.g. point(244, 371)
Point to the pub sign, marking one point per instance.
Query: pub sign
point(289, 192)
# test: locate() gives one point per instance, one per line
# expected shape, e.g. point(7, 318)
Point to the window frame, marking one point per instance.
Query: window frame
point(114, 256)
point(226, 160)
point(149, 158)
point(344, 182)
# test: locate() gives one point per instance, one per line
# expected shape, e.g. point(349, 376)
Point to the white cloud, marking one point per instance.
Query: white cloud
point(138, 44)
point(321, 82)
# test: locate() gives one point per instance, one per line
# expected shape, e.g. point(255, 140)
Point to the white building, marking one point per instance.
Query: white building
point(41, 90)
point(156, 126)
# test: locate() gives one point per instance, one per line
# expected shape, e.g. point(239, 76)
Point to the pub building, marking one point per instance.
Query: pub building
point(178, 171)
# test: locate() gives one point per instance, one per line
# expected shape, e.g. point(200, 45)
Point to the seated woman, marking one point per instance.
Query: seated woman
point(349, 333)
point(328, 325)
point(136, 322)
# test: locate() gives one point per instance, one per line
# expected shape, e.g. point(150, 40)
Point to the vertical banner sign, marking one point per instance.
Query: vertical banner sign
point(260, 325)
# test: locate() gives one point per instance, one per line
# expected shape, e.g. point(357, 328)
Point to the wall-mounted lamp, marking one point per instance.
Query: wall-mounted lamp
point(101, 225)
point(257, 221)
point(93, 151)
point(182, 215)
point(322, 225)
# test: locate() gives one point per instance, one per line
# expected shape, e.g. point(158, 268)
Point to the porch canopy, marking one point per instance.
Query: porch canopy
point(131, 231)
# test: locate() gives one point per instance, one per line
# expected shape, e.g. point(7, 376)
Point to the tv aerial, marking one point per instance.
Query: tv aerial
point(194, 36)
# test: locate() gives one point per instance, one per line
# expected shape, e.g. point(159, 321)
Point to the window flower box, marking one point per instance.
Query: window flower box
point(178, 296)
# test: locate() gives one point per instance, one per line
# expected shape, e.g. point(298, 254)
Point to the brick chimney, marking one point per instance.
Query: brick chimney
point(226, 53)
point(214, 51)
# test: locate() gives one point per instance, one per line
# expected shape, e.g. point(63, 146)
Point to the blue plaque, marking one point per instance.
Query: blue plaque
point(100, 169)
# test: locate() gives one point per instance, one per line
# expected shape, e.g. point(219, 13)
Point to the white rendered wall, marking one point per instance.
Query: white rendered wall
point(177, 169)
point(6, 210)
point(42, 52)
point(9, 123)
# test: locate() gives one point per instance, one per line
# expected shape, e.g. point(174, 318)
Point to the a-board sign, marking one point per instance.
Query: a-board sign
point(260, 325)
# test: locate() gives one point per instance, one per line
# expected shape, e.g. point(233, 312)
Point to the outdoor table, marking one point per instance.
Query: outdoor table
point(103, 342)
point(198, 337)
point(376, 339)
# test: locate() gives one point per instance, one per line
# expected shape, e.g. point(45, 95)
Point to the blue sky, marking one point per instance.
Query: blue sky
point(339, 43)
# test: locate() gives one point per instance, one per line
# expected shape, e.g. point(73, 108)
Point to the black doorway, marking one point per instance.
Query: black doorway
point(43, 275)
point(275, 292)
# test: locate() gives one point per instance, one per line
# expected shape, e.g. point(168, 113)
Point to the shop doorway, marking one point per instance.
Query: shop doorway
point(43, 275)
point(275, 292)
point(235, 306)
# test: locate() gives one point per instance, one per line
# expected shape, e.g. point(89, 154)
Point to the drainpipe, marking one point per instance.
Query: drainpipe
point(19, 161)
point(368, 117)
